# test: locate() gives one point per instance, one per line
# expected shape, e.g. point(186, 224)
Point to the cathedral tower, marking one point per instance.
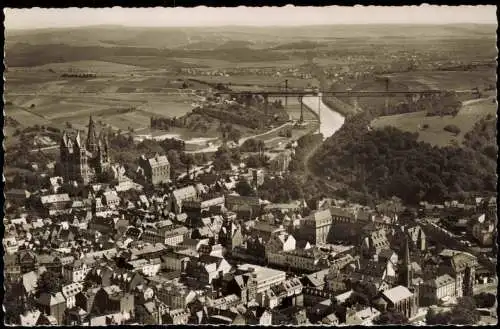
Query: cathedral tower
point(81, 161)
point(92, 142)
point(406, 272)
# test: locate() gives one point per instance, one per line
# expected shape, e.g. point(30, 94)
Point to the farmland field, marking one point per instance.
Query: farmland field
point(88, 66)
point(257, 80)
point(470, 113)
point(23, 116)
point(449, 80)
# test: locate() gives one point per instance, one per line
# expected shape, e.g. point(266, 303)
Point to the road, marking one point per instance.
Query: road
point(214, 147)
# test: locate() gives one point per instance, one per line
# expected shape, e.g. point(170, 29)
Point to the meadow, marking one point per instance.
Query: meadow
point(448, 80)
point(430, 129)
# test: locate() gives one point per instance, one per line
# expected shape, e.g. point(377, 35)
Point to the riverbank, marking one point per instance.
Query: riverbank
point(330, 120)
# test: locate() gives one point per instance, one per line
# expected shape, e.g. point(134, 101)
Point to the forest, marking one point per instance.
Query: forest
point(388, 162)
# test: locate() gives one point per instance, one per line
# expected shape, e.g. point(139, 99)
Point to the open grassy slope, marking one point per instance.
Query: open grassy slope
point(435, 134)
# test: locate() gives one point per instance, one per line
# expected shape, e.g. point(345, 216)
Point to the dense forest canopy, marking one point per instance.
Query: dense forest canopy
point(389, 162)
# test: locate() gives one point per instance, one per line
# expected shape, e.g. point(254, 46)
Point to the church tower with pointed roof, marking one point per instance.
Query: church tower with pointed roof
point(406, 272)
point(82, 161)
point(92, 142)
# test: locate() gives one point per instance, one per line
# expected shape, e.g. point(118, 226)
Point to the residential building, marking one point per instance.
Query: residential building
point(433, 291)
point(69, 292)
point(55, 204)
point(75, 272)
point(176, 236)
point(113, 299)
point(197, 208)
point(311, 259)
point(178, 196)
point(206, 268)
point(374, 242)
point(316, 227)
point(17, 197)
point(175, 294)
point(177, 316)
point(260, 278)
point(111, 199)
point(461, 266)
point(484, 231)
point(156, 170)
point(174, 261)
point(245, 206)
point(53, 305)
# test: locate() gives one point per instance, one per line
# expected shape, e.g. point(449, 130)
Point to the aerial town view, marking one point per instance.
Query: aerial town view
point(250, 166)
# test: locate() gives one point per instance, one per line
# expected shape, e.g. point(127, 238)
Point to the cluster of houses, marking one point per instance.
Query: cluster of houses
point(291, 71)
point(202, 254)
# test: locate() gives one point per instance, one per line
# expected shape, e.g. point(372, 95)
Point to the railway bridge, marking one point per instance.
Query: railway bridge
point(282, 90)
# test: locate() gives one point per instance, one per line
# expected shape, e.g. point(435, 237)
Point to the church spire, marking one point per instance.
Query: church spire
point(406, 269)
point(91, 136)
point(64, 139)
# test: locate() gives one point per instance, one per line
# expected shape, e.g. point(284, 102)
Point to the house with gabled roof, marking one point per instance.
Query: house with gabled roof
point(179, 195)
point(52, 304)
point(69, 292)
point(29, 282)
point(206, 268)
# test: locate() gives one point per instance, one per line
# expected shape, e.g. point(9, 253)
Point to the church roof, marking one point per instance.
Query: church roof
point(397, 294)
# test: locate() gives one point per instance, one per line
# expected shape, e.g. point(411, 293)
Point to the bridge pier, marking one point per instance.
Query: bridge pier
point(301, 109)
point(266, 104)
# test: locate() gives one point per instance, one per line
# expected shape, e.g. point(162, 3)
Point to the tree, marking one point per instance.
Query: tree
point(49, 282)
point(252, 145)
point(222, 158)
point(463, 313)
point(174, 159)
point(234, 135)
point(391, 317)
point(433, 317)
point(256, 161)
point(485, 300)
point(357, 299)
point(243, 188)
point(452, 129)
point(13, 302)
point(106, 177)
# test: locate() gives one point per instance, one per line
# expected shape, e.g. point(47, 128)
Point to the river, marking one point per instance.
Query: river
point(331, 121)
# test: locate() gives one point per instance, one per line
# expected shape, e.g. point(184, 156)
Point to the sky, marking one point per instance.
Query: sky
point(247, 16)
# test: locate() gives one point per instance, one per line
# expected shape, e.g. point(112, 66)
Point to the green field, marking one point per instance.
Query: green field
point(447, 80)
point(435, 134)
point(257, 80)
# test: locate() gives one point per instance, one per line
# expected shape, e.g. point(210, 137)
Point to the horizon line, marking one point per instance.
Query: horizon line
point(244, 25)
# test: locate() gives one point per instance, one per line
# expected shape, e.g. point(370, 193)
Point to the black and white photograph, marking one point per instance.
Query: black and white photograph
point(250, 166)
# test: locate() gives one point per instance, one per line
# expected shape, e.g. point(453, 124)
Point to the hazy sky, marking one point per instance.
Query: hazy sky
point(256, 16)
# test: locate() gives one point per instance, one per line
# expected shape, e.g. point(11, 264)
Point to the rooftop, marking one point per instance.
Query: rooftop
point(55, 198)
point(397, 294)
point(261, 273)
